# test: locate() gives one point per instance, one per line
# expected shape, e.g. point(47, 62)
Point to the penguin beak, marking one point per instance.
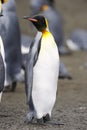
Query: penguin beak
point(30, 19)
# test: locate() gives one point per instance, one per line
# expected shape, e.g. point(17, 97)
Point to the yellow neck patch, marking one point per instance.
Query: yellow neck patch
point(47, 42)
point(45, 33)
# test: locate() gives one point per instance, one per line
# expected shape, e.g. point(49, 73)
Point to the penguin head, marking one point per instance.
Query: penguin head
point(39, 21)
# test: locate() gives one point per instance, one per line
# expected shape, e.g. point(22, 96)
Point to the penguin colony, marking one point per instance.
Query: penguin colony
point(42, 65)
point(42, 70)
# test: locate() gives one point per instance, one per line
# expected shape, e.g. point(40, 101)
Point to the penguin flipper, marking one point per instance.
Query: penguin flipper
point(29, 75)
point(31, 61)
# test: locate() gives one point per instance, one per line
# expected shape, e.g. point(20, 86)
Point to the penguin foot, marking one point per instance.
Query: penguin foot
point(40, 121)
point(29, 117)
point(46, 118)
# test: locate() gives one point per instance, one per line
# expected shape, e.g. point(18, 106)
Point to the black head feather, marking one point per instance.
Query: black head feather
point(38, 21)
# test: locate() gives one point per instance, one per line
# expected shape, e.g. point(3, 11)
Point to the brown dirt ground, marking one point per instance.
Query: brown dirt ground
point(71, 104)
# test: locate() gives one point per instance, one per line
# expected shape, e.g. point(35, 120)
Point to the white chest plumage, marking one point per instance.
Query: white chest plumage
point(3, 57)
point(45, 76)
point(2, 49)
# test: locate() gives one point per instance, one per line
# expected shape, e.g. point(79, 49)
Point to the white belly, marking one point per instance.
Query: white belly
point(45, 78)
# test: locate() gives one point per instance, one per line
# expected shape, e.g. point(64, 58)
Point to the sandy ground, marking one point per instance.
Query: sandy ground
point(71, 103)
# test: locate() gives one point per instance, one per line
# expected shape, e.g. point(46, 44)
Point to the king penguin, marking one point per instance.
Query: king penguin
point(2, 58)
point(42, 70)
point(10, 33)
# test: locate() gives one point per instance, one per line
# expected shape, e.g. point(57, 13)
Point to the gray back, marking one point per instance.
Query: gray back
point(9, 6)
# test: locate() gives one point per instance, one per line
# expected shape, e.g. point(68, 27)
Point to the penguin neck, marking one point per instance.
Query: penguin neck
point(45, 32)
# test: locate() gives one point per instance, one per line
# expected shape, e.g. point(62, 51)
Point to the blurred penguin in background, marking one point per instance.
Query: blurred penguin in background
point(25, 47)
point(10, 7)
point(2, 58)
point(77, 40)
point(63, 72)
point(10, 33)
point(37, 4)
